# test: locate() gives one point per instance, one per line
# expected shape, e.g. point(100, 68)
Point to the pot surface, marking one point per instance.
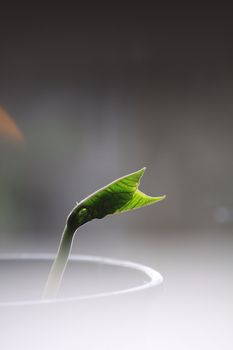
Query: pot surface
point(23, 278)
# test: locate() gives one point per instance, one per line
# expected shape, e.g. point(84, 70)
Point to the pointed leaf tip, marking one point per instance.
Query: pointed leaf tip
point(119, 196)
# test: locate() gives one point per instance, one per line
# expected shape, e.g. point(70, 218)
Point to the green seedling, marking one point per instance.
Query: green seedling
point(119, 196)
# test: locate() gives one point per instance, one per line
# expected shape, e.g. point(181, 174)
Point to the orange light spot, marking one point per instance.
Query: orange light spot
point(9, 129)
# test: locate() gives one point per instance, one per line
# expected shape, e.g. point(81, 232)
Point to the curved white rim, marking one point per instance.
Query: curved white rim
point(155, 278)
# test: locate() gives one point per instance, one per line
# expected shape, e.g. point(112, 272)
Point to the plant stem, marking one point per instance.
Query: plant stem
point(59, 264)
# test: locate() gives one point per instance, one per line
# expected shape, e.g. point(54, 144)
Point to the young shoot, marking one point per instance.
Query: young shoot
point(119, 196)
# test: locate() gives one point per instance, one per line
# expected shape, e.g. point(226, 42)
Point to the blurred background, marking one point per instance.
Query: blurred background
point(101, 89)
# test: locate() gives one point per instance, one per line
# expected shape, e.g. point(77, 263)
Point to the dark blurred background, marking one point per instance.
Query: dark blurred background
point(100, 89)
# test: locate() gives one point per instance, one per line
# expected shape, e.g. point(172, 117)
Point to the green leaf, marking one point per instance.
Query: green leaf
point(119, 196)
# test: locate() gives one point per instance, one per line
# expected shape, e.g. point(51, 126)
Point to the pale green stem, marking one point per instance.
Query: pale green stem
point(59, 265)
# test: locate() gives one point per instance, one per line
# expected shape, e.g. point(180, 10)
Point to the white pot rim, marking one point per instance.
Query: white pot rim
point(155, 278)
